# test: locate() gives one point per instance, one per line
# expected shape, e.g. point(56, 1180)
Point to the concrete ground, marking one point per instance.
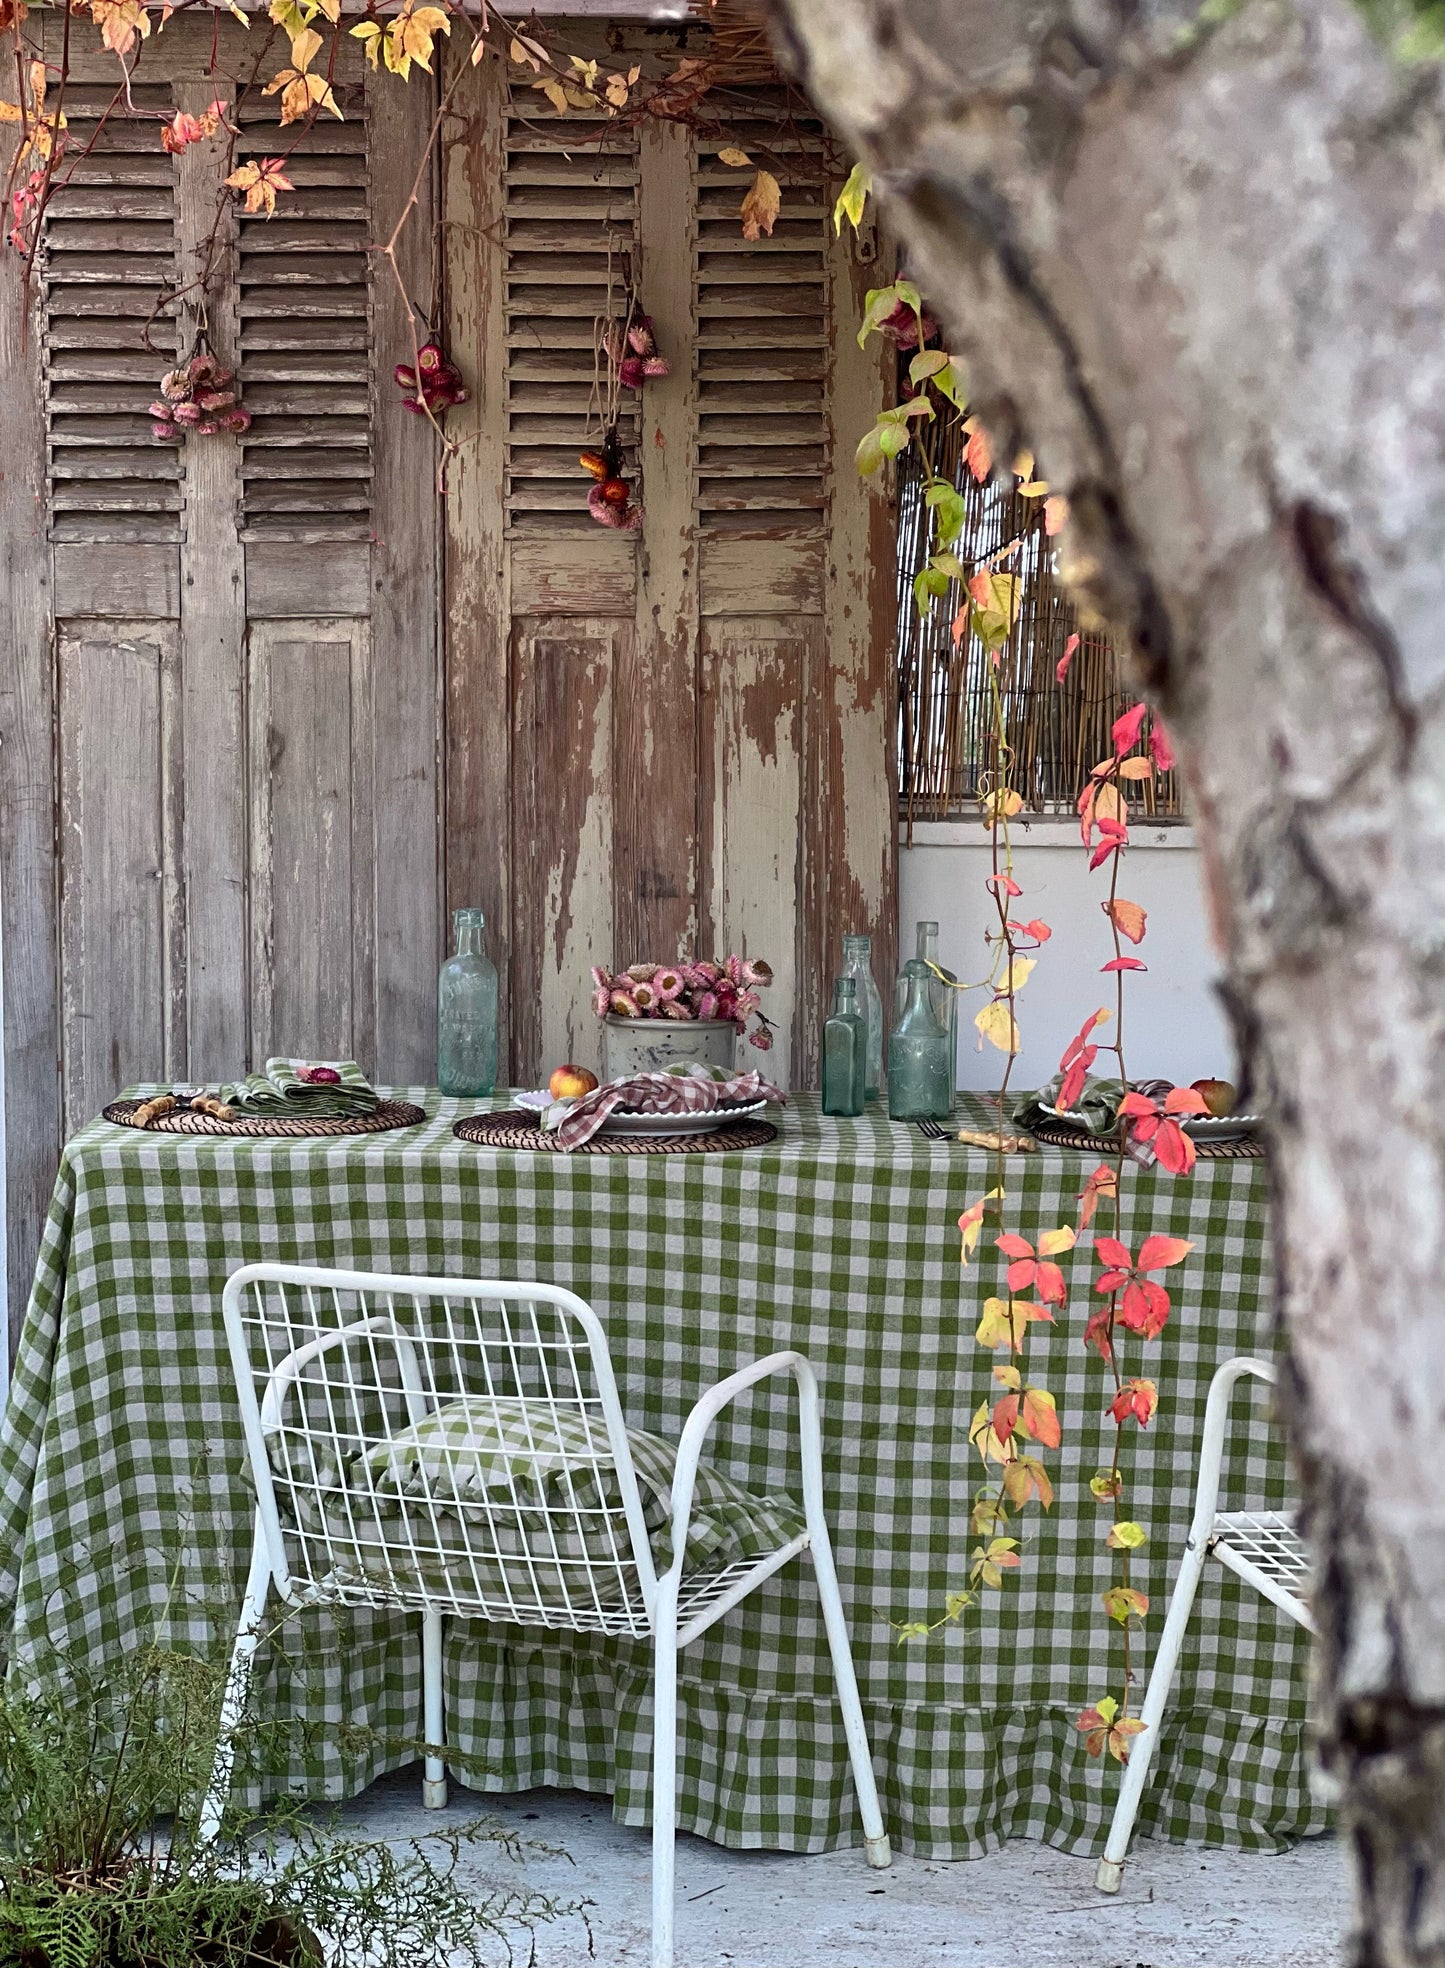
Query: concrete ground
point(1027, 1906)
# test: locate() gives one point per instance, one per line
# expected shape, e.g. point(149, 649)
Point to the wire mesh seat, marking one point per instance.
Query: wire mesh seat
point(459, 1448)
point(1262, 1547)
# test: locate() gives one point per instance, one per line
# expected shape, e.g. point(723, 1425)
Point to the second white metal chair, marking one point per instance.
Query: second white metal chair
point(459, 1447)
point(1260, 1546)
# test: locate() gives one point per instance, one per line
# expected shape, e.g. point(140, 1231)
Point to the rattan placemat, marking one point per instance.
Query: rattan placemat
point(390, 1114)
point(1244, 1148)
point(515, 1129)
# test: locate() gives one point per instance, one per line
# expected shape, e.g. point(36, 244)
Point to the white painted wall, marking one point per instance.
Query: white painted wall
point(1175, 1026)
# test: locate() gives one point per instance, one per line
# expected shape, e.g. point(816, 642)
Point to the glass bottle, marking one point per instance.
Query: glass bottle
point(845, 1052)
point(467, 1012)
point(920, 1073)
point(945, 1000)
point(858, 964)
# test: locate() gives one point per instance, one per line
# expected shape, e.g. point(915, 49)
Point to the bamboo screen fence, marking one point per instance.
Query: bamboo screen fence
point(1056, 731)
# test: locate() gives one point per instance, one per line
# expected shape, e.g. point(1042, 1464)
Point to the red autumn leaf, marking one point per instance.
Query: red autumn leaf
point(1096, 1332)
point(1013, 1246)
point(1173, 1147)
point(1126, 729)
point(960, 625)
point(1160, 748)
point(1144, 1308)
point(1072, 1084)
point(1110, 1281)
point(1048, 1282)
point(1062, 669)
point(1111, 1251)
point(1124, 963)
point(1127, 917)
point(1041, 1418)
point(1137, 1399)
point(1158, 1253)
point(1002, 885)
point(979, 453)
point(1135, 1102)
point(1035, 930)
point(1103, 1182)
point(1005, 1418)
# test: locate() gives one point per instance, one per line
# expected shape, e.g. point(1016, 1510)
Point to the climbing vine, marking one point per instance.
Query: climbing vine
point(1014, 1428)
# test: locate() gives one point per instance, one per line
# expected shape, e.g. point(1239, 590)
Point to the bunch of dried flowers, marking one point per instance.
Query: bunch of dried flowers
point(687, 990)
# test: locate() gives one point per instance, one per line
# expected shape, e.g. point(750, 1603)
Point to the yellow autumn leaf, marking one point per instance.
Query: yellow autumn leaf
point(1109, 804)
point(305, 47)
point(260, 180)
point(982, 1438)
point(997, 1024)
point(410, 36)
point(1033, 488)
point(1024, 465)
point(368, 32)
point(1001, 805)
point(996, 1328)
point(300, 93)
point(762, 201)
point(1054, 1241)
point(618, 91)
point(524, 53)
point(1019, 973)
point(10, 112)
point(734, 158)
point(554, 92)
point(1136, 768)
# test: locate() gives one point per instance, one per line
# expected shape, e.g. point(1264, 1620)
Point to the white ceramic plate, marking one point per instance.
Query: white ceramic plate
point(660, 1124)
point(1199, 1127)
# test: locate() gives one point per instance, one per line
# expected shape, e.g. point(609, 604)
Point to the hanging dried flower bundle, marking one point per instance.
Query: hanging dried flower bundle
point(434, 385)
point(610, 500)
point(200, 396)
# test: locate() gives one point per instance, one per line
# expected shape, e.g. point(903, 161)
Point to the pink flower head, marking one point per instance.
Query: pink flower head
point(630, 372)
point(656, 366)
point(762, 1038)
point(667, 983)
point(644, 996)
point(755, 971)
point(676, 1008)
point(188, 413)
point(238, 420)
point(704, 972)
point(601, 999)
point(624, 1005)
point(166, 431)
point(707, 1005)
point(601, 979)
point(318, 1075)
point(161, 410)
point(734, 969)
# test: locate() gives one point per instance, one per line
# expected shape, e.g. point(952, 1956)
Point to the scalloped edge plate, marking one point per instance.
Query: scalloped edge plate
point(1199, 1127)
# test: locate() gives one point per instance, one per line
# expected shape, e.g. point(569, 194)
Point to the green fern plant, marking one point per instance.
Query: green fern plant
point(102, 1777)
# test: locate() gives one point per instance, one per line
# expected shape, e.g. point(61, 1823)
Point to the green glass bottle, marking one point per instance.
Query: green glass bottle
point(858, 964)
point(467, 1012)
point(920, 1072)
point(845, 1052)
point(945, 999)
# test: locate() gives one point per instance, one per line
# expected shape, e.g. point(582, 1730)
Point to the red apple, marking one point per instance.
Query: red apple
point(571, 1082)
point(1218, 1096)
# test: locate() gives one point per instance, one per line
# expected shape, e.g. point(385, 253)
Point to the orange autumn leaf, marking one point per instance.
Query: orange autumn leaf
point(120, 21)
point(1127, 917)
point(1040, 1417)
point(978, 453)
point(762, 201)
point(260, 180)
point(1056, 513)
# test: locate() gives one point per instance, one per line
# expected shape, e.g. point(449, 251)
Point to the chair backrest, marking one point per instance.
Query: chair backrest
point(450, 1444)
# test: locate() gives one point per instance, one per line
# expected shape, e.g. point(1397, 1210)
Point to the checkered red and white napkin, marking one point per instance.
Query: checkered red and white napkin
point(655, 1093)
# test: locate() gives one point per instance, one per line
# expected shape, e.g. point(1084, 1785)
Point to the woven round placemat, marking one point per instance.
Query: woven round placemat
point(1245, 1148)
point(514, 1129)
point(390, 1114)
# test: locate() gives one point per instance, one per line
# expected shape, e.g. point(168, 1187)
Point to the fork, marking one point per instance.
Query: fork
point(933, 1132)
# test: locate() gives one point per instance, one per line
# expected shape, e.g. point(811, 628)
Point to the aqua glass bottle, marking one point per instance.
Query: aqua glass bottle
point(945, 999)
point(845, 1052)
point(467, 1012)
point(858, 964)
point(920, 1073)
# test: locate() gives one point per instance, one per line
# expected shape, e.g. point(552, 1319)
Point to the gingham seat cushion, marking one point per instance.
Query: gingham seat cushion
point(544, 1482)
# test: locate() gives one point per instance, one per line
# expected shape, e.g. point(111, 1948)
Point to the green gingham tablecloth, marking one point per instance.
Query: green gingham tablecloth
point(122, 1489)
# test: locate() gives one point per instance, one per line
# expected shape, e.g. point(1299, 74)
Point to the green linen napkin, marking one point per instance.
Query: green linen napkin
point(285, 1091)
point(1096, 1109)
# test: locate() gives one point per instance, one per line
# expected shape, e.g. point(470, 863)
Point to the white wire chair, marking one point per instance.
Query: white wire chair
point(365, 1398)
point(1261, 1546)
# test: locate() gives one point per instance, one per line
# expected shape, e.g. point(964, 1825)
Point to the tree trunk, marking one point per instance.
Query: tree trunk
point(1194, 257)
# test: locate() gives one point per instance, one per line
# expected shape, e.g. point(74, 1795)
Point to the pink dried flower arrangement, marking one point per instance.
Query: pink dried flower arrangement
point(689, 989)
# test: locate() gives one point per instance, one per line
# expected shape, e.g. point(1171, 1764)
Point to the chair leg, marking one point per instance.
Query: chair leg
point(664, 1771)
point(434, 1779)
point(1141, 1755)
point(875, 1838)
point(238, 1682)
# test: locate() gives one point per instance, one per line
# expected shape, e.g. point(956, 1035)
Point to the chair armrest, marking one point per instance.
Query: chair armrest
point(706, 1411)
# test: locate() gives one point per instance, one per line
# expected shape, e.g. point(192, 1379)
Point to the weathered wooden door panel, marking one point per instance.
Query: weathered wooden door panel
point(219, 677)
point(121, 923)
point(750, 614)
point(562, 845)
point(754, 779)
point(310, 836)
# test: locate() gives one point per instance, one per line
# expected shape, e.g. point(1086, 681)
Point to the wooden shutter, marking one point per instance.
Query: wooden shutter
point(108, 264)
point(762, 330)
point(305, 343)
point(219, 688)
point(697, 753)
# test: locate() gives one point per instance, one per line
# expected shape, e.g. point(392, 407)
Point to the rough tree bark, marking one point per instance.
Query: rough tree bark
point(1195, 257)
